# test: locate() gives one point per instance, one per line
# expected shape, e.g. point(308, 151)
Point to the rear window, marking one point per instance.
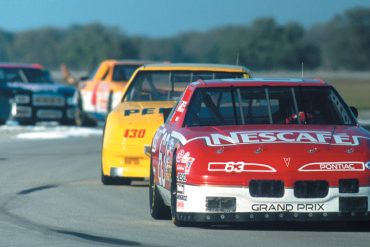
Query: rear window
point(25, 75)
point(267, 105)
point(168, 85)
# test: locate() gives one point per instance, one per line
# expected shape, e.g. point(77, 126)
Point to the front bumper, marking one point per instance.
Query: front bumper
point(31, 114)
point(193, 204)
point(224, 218)
point(125, 161)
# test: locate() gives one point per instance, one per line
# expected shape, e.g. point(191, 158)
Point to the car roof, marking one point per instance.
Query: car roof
point(21, 65)
point(195, 67)
point(127, 61)
point(259, 82)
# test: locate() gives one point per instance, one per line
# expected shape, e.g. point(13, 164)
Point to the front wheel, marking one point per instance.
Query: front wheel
point(158, 210)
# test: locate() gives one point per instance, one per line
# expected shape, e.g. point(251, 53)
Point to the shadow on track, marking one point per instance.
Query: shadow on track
point(297, 226)
point(98, 239)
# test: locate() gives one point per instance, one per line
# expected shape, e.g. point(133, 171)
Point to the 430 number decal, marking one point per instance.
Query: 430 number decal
point(134, 133)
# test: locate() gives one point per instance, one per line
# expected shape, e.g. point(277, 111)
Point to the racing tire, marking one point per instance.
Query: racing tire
point(26, 123)
point(110, 102)
point(107, 180)
point(174, 215)
point(81, 117)
point(158, 210)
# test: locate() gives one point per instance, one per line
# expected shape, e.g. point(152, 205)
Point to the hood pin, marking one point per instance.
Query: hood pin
point(258, 150)
point(312, 150)
point(220, 150)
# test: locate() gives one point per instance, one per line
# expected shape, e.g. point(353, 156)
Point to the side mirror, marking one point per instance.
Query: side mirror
point(166, 112)
point(354, 111)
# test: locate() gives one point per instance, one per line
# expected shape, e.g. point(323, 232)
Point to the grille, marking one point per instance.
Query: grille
point(348, 186)
point(353, 204)
point(49, 114)
point(221, 204)
point(48, 100)
point(266, 188)
point(311, 189)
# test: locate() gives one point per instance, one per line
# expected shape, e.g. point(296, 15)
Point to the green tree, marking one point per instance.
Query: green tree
point(344, 40)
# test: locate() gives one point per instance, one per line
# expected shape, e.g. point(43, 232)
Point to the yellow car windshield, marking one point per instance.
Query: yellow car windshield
point(168, 85)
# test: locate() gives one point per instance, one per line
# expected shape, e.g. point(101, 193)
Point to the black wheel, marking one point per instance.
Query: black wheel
point(158, 210)
point(110, 102)
point(174, 215)
point(25, 123)
point(107, 180)
point(81, 117)
point(68, 122)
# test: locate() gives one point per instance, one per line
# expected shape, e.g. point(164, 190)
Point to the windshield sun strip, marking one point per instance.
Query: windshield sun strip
point(240, 105)
point(295, 105)
point(268, 104)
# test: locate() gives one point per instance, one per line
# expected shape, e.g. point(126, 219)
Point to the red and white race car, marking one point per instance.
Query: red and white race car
point(260, 149)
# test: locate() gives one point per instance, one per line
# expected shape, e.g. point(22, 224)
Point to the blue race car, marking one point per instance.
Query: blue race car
point(29, 95)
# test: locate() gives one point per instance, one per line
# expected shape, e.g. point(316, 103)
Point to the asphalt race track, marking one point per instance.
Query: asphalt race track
point(51, 195)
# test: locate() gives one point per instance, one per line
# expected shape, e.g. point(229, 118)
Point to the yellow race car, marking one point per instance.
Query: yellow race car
point(150, 93)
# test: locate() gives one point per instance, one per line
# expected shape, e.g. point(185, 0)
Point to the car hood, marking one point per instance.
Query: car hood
point(40, 87)
point(327, 135)
point(282, 151)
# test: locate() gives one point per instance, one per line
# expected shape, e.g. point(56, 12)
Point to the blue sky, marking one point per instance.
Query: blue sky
point(161, 18)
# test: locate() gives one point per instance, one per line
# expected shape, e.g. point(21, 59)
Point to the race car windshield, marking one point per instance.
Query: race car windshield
point(168, 85)
point(123, 72)
point(267, 105)
point(25, 75)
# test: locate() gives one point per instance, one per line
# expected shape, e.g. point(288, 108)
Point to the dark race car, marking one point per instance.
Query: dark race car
point(28, 95)
point(246, 150)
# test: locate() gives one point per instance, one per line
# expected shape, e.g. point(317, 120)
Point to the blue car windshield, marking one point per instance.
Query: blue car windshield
point(24, 75)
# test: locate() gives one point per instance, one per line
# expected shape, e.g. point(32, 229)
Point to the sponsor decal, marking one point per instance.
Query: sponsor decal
point(256, 137)
point(333, 166)
point(238, 167)
point(288, 207)
point(181, 177)
point(188, 165)
point(134, 133)
point(180, 189)
point(184, 158)
point(164, 160)
point(180, 167)
point(180, 204)
point(182, 197)
point(182, 105)
point(143, 111)
point(261, 137)
point(179, 155)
